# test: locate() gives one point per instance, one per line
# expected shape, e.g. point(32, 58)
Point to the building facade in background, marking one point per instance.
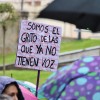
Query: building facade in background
point(29, 9)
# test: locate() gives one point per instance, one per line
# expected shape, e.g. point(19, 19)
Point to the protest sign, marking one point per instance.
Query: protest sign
point(38, 46)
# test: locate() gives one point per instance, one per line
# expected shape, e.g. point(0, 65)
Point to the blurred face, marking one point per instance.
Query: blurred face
point(12, 91)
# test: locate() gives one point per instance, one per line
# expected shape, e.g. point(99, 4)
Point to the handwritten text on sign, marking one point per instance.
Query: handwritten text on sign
point(39, 46)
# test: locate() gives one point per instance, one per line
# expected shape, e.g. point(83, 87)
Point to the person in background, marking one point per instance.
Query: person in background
point(5, 97)
point(9, 86)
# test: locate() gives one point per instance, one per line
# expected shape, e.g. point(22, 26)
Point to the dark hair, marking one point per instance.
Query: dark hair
point(20, 96)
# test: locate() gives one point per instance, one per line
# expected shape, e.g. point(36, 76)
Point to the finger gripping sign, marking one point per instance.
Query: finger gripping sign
point(38, 46)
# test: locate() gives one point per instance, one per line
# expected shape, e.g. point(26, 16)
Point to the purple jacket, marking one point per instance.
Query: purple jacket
point(5, 80)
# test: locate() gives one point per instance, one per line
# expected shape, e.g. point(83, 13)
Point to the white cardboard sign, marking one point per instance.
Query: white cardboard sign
point(39, 46)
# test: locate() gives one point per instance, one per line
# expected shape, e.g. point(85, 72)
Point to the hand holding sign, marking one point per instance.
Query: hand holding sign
point(39, 46)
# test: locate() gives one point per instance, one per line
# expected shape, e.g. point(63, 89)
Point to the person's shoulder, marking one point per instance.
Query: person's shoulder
point(5, 97)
